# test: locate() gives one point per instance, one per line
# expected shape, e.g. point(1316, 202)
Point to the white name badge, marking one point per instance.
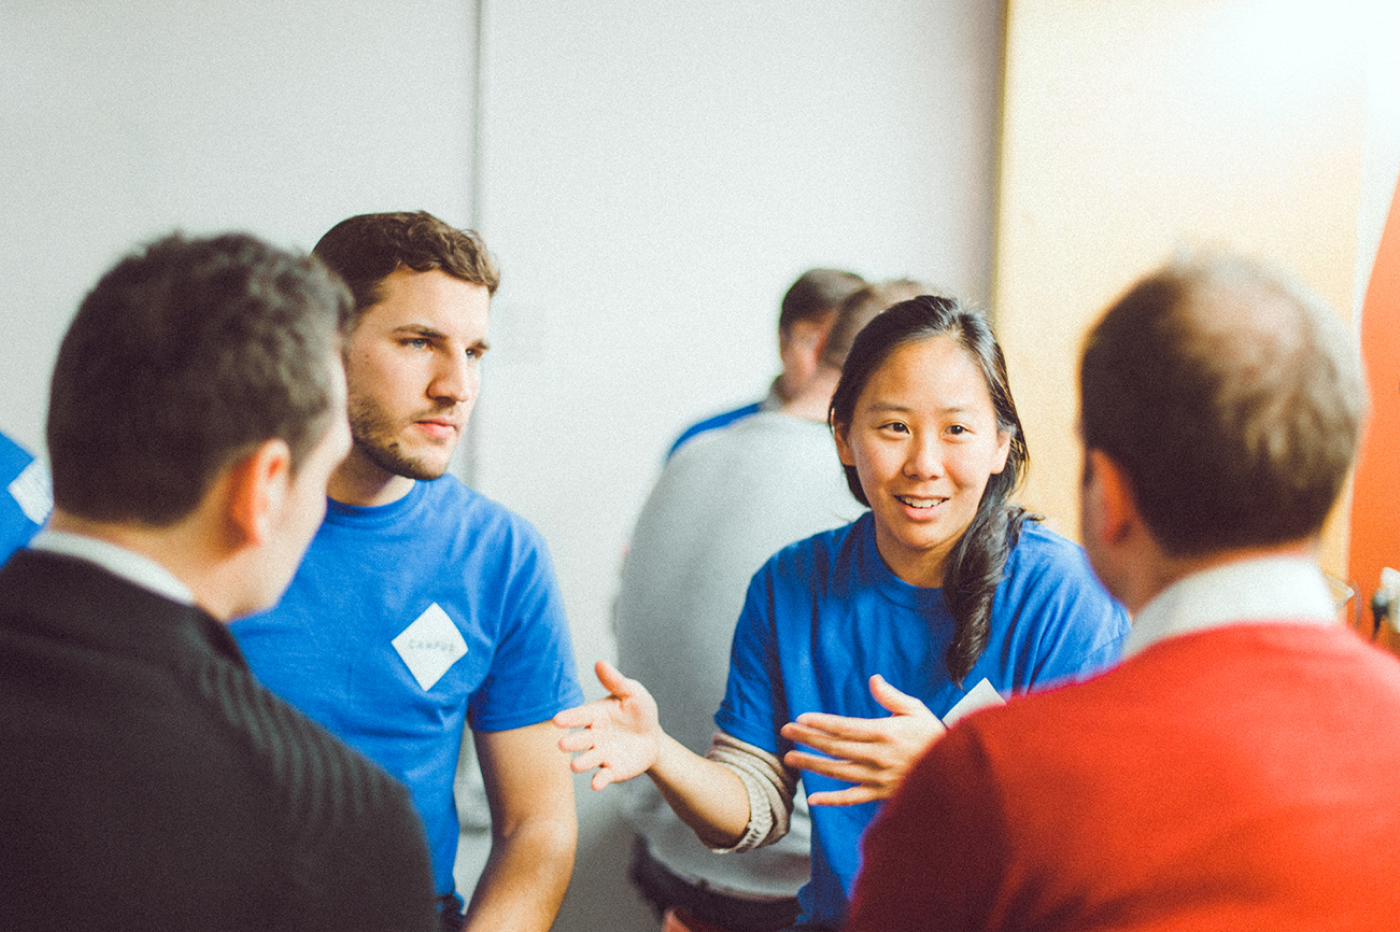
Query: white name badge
point(430, 646)
point(32, 490)
point(980, 696)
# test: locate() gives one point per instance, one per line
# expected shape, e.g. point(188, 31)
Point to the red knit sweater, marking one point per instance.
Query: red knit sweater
point(1234, 779)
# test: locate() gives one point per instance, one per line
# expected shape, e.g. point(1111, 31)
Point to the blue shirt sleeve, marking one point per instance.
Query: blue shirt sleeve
point(754, 709)
point(1060, 624)
point(533, 675)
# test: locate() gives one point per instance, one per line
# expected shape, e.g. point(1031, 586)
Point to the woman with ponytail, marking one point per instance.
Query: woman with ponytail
point(854, 645)
point(976, 554)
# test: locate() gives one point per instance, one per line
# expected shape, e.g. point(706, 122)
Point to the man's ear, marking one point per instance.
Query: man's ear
point(1110, 511)
point(258, 485)
point(808, 337)
point(801, 346)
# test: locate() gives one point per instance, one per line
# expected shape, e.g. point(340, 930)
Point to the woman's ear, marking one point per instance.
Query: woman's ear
point(1003, 452)
point(258, 487)
point(842, 434)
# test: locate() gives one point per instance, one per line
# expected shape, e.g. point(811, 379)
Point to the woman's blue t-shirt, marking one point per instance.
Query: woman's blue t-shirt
point(825, 614)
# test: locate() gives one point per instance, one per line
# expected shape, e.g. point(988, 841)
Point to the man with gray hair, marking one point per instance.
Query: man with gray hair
point(1224, 776)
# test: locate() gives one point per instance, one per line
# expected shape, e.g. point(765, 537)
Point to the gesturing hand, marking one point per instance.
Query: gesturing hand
point(619, 734)
point(873, 753)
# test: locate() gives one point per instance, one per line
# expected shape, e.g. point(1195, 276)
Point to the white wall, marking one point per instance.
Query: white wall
point(120, 121)
point(653, 176)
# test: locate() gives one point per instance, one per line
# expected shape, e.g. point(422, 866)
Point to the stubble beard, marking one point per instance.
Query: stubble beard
point(373, 434)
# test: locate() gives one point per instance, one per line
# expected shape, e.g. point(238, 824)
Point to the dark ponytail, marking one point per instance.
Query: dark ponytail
point(974, 571)
point(978, 560)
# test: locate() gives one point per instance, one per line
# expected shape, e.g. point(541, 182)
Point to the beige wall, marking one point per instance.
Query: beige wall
point(1136, 128)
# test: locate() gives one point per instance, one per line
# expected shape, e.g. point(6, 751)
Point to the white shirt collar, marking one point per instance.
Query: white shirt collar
point(129, 565)
point(1272, 589)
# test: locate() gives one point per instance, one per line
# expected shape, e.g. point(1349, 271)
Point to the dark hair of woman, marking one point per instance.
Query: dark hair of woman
point(976, 562)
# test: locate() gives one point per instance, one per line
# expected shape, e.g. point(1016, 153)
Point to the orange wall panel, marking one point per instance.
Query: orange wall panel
point(1375, 506)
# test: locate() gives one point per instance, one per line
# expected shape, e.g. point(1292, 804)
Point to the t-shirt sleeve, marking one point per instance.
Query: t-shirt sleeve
point(754, 708)
point(1072, 627)
point(934, 856)
point(533, 674)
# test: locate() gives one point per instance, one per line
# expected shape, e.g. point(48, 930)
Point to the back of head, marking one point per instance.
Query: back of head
point(1233, 400)
point(184, 357)
point(860, 307)
point(365, 249)
point(816, 294)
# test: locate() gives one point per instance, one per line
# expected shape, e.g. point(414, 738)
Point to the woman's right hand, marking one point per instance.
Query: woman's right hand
point(619, 734)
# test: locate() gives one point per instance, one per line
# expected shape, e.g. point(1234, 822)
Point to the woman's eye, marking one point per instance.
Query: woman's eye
point(957, 430)
point(896, 427)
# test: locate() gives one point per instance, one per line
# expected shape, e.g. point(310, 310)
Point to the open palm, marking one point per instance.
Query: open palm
point(620, 734)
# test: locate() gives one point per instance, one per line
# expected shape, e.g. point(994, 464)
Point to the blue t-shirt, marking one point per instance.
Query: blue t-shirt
point(27, 497)
point(825, 614)
point(409, 620)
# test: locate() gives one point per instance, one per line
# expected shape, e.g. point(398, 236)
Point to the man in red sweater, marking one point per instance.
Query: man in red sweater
point(1231, 773)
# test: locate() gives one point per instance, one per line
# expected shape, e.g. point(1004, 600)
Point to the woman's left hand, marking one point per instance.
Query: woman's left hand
point(872, 753)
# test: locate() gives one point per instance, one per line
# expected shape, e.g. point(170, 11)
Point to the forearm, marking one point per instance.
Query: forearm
point(739, 803)
point(525, 877)
point(534, 830)
point(706, 795)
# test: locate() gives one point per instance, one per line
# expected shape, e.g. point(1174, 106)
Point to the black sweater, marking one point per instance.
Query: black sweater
point(148, 782)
